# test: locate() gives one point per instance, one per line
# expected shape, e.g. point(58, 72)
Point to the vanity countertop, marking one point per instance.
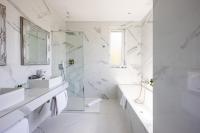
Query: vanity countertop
point(143, 112)
point(33, 97)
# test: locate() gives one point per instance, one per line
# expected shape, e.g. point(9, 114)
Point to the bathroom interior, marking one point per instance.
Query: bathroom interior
point(91, 66)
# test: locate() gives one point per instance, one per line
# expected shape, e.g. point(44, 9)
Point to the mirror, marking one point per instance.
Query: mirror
point(2, 35)
point(34, 44)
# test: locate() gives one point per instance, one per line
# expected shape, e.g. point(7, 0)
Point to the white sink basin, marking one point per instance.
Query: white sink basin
point(46, 83)
point(10, 96)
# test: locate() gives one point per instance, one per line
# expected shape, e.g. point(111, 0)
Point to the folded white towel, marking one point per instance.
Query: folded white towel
point(58, 103)
point(61, 101)
point(123, 102)
point(20, 127)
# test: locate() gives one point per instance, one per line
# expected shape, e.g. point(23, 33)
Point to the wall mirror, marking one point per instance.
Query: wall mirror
point(2, 35)
point(34, 44)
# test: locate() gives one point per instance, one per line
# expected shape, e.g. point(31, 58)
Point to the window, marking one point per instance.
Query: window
point(117, 48)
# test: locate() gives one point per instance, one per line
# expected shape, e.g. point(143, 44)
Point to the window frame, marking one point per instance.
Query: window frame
point(123, 49)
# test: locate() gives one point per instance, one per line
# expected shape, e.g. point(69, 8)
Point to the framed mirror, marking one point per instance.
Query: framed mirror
point(2, 35)
point(34, 44)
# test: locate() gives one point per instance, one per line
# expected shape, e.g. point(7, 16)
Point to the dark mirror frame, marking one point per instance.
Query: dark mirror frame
point(22, 19)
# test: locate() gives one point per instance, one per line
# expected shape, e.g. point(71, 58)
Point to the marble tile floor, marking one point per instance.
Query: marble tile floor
point(110, 119)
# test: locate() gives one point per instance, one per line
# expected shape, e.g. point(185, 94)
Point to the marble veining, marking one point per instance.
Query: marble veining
point(131, 50)
point(160, 72)
point(133, 36)
point(13, 26)
point(191, 37)
point(103, 62)
point(104, 80)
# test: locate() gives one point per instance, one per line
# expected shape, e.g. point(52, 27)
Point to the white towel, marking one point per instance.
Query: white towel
point(58, 103)
point(20, 127)
point(123, 102)
point(61, 101)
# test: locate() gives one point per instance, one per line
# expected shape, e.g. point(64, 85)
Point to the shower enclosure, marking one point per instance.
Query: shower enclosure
point(67, 60)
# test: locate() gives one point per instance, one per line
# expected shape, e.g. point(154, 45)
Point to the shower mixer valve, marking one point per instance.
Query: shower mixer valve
point(71, 61)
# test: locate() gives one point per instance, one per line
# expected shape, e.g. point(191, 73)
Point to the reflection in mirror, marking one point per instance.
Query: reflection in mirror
point(2, 35)
point(34, 44)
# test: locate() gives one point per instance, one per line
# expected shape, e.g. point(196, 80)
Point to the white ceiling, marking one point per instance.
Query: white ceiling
point(96, 10)
point(102, 10)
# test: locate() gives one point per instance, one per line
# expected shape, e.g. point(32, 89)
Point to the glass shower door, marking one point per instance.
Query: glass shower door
point(75, 70)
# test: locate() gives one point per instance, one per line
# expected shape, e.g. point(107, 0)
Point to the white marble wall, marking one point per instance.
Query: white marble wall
point(13, 73)
point(100, 79)
point(147, 58)
point(176, 61)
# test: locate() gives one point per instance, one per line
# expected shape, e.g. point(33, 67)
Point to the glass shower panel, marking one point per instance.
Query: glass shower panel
point(74, 70)
point(67, 51)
